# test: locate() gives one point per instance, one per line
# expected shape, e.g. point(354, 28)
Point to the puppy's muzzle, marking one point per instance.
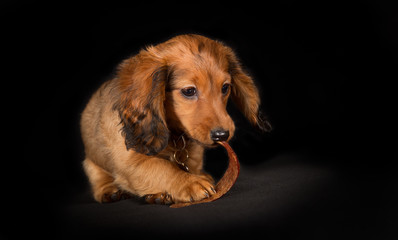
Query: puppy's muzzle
point(219, 134)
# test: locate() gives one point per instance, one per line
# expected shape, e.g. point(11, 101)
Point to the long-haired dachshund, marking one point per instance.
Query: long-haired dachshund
point(145, 131)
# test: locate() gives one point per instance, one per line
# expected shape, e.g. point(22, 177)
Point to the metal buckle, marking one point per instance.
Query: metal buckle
point(177, 155)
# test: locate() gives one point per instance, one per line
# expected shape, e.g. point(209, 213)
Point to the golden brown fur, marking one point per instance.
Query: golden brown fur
point(129, 125)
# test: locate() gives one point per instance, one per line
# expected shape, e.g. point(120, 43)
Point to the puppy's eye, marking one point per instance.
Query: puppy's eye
point(189, 91)
point(225, 88)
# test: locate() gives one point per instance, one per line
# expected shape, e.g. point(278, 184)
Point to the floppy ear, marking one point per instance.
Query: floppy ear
point(245, 94)
point(141, 83)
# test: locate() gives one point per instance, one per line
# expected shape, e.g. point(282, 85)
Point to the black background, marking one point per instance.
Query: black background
point(326, 71)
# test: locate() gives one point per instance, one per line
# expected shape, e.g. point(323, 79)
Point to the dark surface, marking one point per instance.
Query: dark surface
point(291, 195)
point(285, 192)
point(326, 71)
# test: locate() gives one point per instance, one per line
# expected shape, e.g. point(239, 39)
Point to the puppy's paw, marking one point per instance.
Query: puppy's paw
point(115, 196)
point(209, 177)
point(194, 188)
point(159, 198)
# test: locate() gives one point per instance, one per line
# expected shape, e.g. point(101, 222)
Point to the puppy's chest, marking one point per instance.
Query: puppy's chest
point(183, 156)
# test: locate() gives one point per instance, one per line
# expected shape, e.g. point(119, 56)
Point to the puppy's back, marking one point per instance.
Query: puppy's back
point(99, 127)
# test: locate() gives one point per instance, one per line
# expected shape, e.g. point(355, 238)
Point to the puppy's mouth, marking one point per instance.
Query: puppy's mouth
point(205, 145)
point(213, 145)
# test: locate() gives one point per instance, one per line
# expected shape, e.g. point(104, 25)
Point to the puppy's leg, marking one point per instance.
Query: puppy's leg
point(102, 184)
point(156, 176)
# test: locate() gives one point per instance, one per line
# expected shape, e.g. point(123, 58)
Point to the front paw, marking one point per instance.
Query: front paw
point(191, 188)
point(208, 176)
point(159, 198)
point(115, 196)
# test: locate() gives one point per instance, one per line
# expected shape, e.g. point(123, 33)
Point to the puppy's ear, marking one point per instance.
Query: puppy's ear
point(245, 93)
point(140, 102)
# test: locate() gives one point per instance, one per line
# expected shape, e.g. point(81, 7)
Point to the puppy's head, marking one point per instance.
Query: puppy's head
point(183, 86)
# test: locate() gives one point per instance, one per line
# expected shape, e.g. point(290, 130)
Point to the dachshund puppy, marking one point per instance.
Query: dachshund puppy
point(145, 131)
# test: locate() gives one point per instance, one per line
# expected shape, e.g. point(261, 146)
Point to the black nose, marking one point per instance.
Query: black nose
point(219, 134)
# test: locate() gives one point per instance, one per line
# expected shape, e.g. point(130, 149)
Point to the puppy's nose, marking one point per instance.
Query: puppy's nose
point(219, 134)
